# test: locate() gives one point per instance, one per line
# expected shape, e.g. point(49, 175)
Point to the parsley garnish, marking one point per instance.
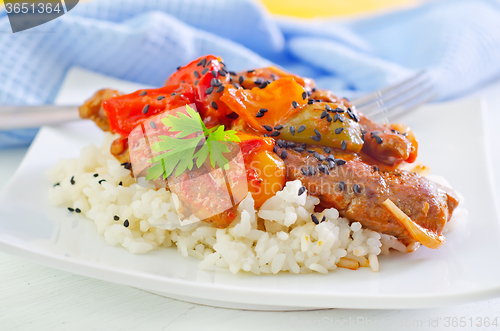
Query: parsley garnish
point(181, 153)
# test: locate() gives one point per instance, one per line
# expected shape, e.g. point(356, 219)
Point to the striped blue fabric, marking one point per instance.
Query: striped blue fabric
point(458, 41)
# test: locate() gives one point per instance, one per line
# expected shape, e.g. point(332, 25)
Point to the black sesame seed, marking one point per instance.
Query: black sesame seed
point(121, 183)
point(214, 73)
point(259, 114)
point(328, 118)
point(322, 168)
point(331, 164)
point(378, 139)
point(126, 165)
point(292, 130)
point(291, 144)
point(339, 130)
point(126, 223)
point(323, 114)
point(263, 110)
point(323, 219)
point(330, 157)
point(356, 188)
point(250, 71)
point(102, 180)
point(335, 117)
point(214, 105)
point(328, 108)
point(268, 128)
point(172, 94)
point(343, 145)
point(342, 185)
point(217, 82)
point(304, 171)
point(314, 219)
point(178, 68)
point(196, 74)
point(241, 79)
point(152, 125)
point(71, 209)
point(208, 63)
point(237, 85)
point(327, 149)
point(222, 73)
point(266, 135)
point(319, 157)
point(204, 71)
point(338, 110)
point(301, 128)
point(351, 115)
point(203, 62)
point(299, 149)
point(284, 154)
point(143, 93)
point(57, 184)
point(295, 104)
point(220, 89)
point(78, 210)
point(275, 133)
point(161, 97)
point(310, 101)
point(72, 180)
point(278, 127)
point(316, 138)
point(340, 162)
point(116, 218)
point(317, 133)
point(311, 170)
point(96, 175)
point(310, 151)
point(232, 73)
point(302, 190)
point(275, 149)
point(145, 109)
point(263, 85)
point(375, 168)
point(209, 90)
point(304, 95)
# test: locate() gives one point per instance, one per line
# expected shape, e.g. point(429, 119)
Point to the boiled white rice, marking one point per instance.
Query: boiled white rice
point(291, 242)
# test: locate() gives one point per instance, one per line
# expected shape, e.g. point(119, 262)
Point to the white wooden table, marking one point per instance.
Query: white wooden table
point(35, 297)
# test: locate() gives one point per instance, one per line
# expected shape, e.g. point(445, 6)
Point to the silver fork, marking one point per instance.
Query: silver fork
point(397, 100)
point(386, 104)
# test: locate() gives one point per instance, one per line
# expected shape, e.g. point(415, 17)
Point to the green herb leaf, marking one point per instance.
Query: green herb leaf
point(179, 152)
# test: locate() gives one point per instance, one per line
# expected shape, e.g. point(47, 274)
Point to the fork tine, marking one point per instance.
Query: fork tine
point(395, 96)
point(410, 102)
point(375, 96)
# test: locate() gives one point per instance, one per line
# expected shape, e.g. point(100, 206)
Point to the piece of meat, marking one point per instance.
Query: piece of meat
point(381, 142)
point(92, 108)
point(358, 190)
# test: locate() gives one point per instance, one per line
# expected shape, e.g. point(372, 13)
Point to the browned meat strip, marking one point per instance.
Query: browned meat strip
point(357, 190)
point(92, 108)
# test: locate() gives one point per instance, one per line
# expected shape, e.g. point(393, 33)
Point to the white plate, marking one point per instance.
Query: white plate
point(465, 269)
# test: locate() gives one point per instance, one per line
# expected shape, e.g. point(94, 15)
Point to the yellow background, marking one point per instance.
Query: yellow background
point(327, 8)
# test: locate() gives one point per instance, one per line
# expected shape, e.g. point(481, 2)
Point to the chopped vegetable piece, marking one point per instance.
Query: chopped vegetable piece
point(318, 131)
point(424, 236)
point(277, 97)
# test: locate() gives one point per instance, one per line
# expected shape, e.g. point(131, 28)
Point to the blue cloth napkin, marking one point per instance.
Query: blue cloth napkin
point(458, 41)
